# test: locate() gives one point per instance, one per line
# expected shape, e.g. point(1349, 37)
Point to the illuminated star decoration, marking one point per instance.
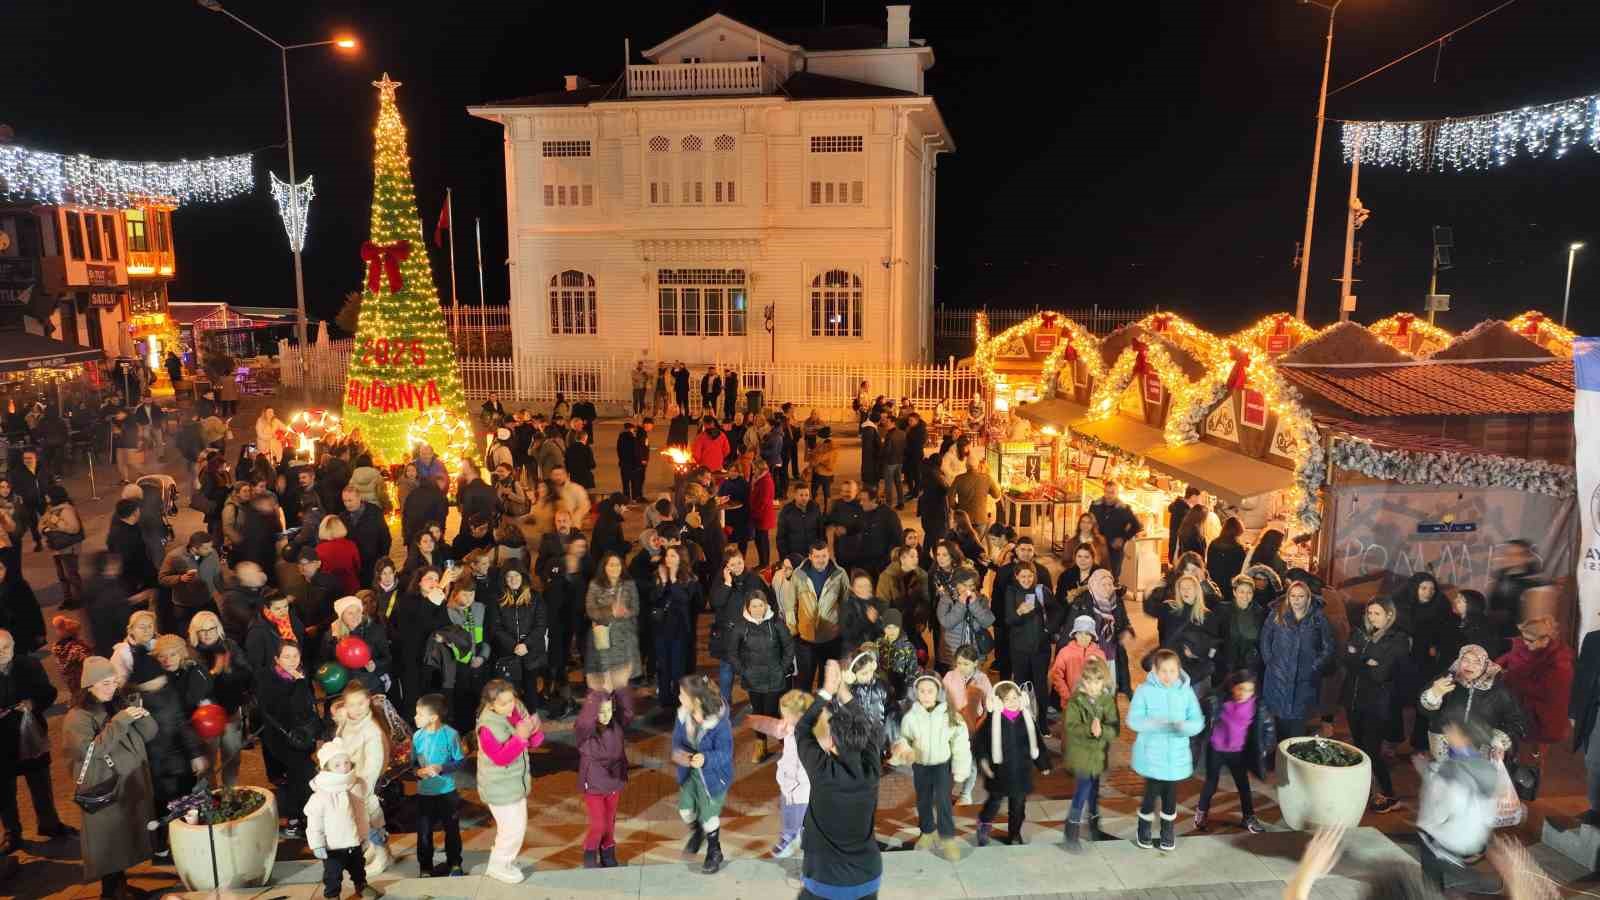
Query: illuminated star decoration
point(1477, 142)
point(40, 177)
point(294, 205)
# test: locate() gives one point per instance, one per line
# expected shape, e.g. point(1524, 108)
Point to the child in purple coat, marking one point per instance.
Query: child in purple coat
point(602, 768)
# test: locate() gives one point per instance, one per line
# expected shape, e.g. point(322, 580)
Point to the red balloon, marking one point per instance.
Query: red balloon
point(353, 653)
point(209, 720)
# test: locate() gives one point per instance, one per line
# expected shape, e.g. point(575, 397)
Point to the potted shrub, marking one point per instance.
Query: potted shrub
point(245, 822)
point(1322, 782)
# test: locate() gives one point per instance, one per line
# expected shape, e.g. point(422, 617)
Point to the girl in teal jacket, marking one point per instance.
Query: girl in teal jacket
point(1166, 714)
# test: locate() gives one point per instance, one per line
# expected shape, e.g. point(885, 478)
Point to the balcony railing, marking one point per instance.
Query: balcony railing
point(695, 79)
point(151, 264)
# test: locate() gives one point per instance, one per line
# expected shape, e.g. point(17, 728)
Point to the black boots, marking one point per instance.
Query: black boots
point(713, 852)
point(1169, 831)
point(1095, 834)
point(591, 859)
point(696, 836)
point(1074, 843)
point(608, 857)
point(1141, 838)
point(983, 833)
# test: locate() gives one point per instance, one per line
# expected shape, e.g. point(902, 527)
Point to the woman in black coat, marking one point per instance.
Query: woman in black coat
point(24, 684)
point(1191, 532)
point(580, 460)
point(420, 612)
point(289, 733)
point(351, 620)
point(1239, 627)
point(266, 632)
point(761, 652)
point(1467, 624)
point(730, 587)
point(519, 633)
point(1422, 613)
point(1168, 613)
point(673, 598)
point(1225, 555)
point(1268, 552)
point(1370, 658)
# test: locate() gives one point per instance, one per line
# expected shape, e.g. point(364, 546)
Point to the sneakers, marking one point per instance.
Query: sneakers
point(1200, 820)
point(1382, 804)
point(950, 850)
point(1169, 831)
point(786, 847)
point(966, 799)
point(927, 841)
point(508, 874)
point(1253, 825)
point(368, 892)
point(1141, 838)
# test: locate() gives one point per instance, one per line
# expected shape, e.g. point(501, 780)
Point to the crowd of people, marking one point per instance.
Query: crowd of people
point(862, 649)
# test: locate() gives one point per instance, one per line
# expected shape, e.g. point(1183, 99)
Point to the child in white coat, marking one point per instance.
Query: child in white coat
point(934, 739)
point(794, 786)
point(336, 821)
point(368, 747)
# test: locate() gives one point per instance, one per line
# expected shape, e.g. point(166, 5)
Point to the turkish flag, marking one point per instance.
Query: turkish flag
point(440, 229)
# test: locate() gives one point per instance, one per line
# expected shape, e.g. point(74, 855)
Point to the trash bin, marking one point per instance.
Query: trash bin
point(753, 401)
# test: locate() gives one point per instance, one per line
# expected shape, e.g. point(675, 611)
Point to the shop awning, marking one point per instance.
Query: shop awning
point(1123, 433)
point(22, 352)
point(1229, 475)
point(1055, 411)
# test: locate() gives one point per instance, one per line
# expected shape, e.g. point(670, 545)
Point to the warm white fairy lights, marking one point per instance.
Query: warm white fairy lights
point(294, 205)
point(41, 177)
point(1477, 142)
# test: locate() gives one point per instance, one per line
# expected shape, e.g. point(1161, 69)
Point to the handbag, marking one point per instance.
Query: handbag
point(1525, 779)
point(93, 798)
point(602, 637)
point(62, 540)
point(982, 640)
point(302, 738)
point(32, 742)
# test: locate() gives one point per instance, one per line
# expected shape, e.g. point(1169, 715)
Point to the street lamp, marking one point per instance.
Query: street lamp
point(1316, 159)
point(1572, 254)
point(344, 43)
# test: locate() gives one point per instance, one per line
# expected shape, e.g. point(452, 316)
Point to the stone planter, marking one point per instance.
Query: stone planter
point(1312, 796)
point(246, 848)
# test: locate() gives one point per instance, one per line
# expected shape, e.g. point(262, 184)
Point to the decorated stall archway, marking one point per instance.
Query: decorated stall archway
point(1274, 335)
point(1411, 334)
point(1026, 358)
point(1544, 331)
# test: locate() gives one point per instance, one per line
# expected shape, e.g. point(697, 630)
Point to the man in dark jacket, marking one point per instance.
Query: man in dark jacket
point(1521, 572)
point(1117, 523)
point(258, 535)
point(628, 464)
point(916, 441)
point(799, 523)
point(1031, 615)
point(477, 500)
point(242, 600)
point(1176, 510)
point(332, 477)
point(871, 446)
point(193, 575)
point(364, 521)
point(301, 495)
point(680, 387)
point(730, 392)
point(127, 541)
point(20, 614)
point(314, 602)
point(424, 506)
point(841, 852)
point(879, 533)
point(24, 686)
point(29, 481)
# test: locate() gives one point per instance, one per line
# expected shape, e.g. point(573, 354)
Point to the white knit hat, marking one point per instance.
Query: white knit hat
point(1083, 623)
point(344, 603)
point(331, 751)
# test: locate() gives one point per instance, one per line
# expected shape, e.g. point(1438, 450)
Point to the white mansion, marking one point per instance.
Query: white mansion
point(740, 175)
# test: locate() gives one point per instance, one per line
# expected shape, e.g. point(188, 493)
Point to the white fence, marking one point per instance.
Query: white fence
point(535, 380)
point(953, 324)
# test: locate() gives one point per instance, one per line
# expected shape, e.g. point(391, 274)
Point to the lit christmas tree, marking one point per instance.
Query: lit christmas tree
point(403, 381)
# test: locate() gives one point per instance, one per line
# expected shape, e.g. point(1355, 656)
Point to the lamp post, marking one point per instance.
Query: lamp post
point(1572, 254)
point(342, 43)
point(1316, 160)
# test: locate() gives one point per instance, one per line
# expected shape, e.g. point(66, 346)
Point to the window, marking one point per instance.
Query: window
point(692, 170)
point(836, 169)
point(572, 303)
point(836, 304)
point(75, 235)
point(724, 169)
point(91, 232)
point(568, 171)
point(163, 223)
point(658, 170)
point(138, 240)
point(108, 225)
point(694, 302)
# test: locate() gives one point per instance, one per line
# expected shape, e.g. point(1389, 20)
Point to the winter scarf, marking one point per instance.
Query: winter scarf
point(280, 622)
point(997, 706)
point(1491, 669)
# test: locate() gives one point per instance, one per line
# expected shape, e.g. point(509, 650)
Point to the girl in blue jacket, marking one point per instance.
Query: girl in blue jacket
point(702, 748)
point(1166, 714)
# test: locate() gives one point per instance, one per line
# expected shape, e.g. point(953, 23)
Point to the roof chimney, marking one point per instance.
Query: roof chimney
point(899, 26)
point(576, 82)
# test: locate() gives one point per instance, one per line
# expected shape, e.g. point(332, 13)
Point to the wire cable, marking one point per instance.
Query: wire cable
point(1438, 40)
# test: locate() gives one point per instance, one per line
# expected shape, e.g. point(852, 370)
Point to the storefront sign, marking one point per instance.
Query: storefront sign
point(104, 299)
point(1044, 342)
point(15, 296)
point(1446, 527)
point(54, 362)
point(1253, 413)
point(1152, 389)
point(102, 276)
point(1277, 343)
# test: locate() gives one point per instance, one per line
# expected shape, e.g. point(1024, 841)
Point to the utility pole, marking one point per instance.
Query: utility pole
point(1351, 223)
point(1316, 163)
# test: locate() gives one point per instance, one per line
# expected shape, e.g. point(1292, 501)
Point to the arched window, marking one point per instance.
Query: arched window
point(836, 304)
point(572, 303)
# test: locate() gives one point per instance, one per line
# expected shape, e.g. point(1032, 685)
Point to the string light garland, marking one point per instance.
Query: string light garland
point(448, 433)
point(1477, 142)
point(294, 207)
point(1258, 337)
point(1078, 342)
point(308, 426)
point(1539, 328)
point(1419, 337)
point(38, 176)
point(403, 366)
point(1200, 343)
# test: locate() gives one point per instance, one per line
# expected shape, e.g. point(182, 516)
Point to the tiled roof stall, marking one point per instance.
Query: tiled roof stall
point(1439, 389)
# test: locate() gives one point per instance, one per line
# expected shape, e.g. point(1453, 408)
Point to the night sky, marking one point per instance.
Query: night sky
point(1126, 154)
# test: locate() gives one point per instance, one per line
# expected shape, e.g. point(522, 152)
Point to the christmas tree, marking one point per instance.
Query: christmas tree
point(403, 384)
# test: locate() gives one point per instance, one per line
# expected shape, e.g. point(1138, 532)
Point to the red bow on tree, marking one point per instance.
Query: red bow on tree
point(1158, 322)
point(1405, 324)
point(1047, 320)
point(1070, 353)
point(1535, 322)
point(1141, 363)
point(1241, 368)
point(1280, 323)
point(384, 259)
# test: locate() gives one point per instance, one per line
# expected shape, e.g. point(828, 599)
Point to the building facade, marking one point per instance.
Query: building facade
point(742, 195)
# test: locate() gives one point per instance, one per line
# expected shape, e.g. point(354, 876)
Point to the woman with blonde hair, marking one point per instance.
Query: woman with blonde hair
point(340, 556)
point(229, 681)
point(139, 641)
point(268, 443)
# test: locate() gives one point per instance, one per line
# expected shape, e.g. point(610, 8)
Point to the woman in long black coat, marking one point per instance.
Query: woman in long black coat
point(24, 686)
point(761, 651)
point(1370, 658)
point(289, 709)
point(1421, 613)
point(1225, 555)
point(420, 612)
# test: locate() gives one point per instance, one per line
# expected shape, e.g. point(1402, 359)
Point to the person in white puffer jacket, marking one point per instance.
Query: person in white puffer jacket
point(368, 747)
point(934, 739)
point(336, 821)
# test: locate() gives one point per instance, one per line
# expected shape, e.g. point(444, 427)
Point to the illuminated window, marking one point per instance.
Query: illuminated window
point(836, 170)
point(836, 304)
point(163, 223)
point(694, 302)
point(572, 303)
point(75, 234)
point(138, 239)
point(568, 173)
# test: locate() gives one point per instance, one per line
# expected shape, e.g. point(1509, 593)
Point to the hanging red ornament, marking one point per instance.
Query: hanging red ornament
point(1404, 320)
point(1159, 322)
point(384, 259)
point(1535, 322)
point(1241, 368)
point(1141, 362)
point(1047, 320)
